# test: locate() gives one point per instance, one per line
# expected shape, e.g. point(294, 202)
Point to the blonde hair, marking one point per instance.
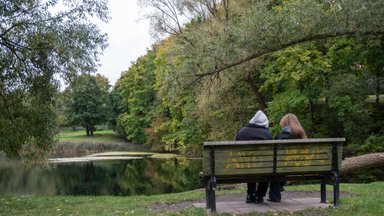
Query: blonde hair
point(292, 121)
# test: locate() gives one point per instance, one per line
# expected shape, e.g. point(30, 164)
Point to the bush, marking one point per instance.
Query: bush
point(364, 176)
point(371, 145)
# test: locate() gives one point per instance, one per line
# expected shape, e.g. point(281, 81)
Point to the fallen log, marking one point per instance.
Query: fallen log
point(361, 162)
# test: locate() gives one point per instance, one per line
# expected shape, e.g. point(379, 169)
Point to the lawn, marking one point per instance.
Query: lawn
point(80, 136)
point(74, 143)
point(364, 199)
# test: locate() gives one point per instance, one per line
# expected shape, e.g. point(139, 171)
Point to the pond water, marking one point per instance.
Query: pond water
point(128, 177)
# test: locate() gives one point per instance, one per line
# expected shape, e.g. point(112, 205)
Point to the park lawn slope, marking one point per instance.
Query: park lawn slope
point(364, 199)
point(81, 136)
point(77, 143)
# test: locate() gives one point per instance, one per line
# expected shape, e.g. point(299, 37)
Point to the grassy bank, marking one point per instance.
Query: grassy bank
point(364, 199)
point(80, 136)
point(77, 143)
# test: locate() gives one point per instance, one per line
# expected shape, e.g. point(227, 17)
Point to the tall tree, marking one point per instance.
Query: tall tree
point(89, 101)
point(135, 88)
point(41, 41)
point(170, 16)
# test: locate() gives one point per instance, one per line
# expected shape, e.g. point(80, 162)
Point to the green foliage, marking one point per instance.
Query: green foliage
point(346, 109)
point(135, 99)
point(175, 126)
point(364, 176)
point(23, 129)
point(225, 106)
point(88, 103)
point(278, 56)
point(37, 46)
point(372, 144)
point(117, 107)
point(290, 101)
point(322, 85)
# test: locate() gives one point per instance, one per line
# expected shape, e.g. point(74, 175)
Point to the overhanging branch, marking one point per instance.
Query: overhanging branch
point(283, 46)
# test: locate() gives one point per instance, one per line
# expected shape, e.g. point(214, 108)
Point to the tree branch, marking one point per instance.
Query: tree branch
point(283, 46)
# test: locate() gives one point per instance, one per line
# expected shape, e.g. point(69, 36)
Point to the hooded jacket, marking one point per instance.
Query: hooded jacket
point(256, 129)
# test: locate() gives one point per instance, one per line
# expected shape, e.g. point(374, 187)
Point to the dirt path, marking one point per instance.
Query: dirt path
point(237, 197)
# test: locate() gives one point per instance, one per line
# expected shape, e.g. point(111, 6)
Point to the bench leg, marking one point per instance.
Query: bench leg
point(336, 194)
point(207, 196)
point(211, 186)
point(323, 192)
point(336, 189)
point(213, 201)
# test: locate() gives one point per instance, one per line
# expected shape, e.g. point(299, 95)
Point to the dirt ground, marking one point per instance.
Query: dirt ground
point(237, 197)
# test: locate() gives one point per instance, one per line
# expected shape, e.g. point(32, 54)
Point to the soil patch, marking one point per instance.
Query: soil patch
point(238, 197)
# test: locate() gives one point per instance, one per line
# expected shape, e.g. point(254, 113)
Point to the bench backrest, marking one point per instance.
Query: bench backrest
point(266, 157)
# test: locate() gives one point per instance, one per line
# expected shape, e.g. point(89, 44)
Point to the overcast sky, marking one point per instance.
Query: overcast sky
point(128, 38)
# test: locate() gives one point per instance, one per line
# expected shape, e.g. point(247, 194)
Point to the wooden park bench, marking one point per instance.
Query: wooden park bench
point(272, 160)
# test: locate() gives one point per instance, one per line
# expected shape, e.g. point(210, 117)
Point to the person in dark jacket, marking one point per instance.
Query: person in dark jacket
point(291, 129)
point(256, 129)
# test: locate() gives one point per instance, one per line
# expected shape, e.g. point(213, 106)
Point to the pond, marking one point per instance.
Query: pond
point(145, 176)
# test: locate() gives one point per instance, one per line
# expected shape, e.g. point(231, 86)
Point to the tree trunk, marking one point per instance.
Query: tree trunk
point(226, 9)
point(378, 91)
point(311, 108)
point(259, 97)
point(366, 161)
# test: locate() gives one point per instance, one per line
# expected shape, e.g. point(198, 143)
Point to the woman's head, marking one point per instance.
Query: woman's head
point(292, 121)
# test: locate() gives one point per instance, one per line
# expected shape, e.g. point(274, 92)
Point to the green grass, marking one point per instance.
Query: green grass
point(81, 136)
point(363, 199)
point(77, 143)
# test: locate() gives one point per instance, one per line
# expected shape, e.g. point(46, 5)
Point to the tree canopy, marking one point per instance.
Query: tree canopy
point(87, 102)
point(220, 61)
point(41, 42)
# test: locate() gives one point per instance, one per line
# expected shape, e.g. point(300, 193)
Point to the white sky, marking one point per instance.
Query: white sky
point(128, 38)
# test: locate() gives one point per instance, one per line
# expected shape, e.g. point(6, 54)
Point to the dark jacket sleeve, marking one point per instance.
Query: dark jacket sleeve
point(286, 133)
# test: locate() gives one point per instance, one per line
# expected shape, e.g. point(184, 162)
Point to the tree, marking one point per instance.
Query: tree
point(135, 88)
point(170, 16)
point(256, 28)
point(37, 47)
point(323, 84)
point(89, 102)
point(372, 53)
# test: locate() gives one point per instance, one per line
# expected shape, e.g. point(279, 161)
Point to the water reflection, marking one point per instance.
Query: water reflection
point(132, 177)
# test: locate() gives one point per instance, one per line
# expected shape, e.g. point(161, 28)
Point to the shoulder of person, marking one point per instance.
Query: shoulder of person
point(286, 133)
point(286, 130)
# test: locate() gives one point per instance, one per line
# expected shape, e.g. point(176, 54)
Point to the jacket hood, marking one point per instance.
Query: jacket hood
point(260, 119)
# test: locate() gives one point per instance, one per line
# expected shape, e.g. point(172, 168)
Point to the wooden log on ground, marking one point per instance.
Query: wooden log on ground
point(366, 161)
